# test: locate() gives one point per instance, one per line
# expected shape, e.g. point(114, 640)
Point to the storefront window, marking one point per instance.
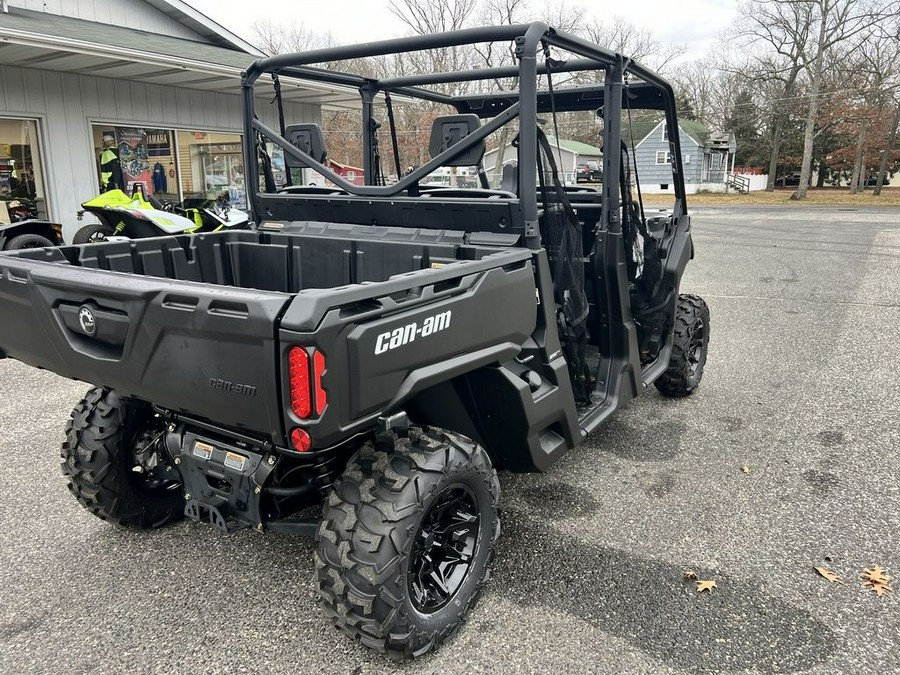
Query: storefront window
point(210, 164)
point(21, 179)
point(173, 165)
point(130, 157)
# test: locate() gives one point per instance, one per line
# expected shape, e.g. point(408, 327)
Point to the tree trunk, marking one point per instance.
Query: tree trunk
point(812, 113)
point(856, 178)
point(886, 152)
point(776, 149)
point(823, 171)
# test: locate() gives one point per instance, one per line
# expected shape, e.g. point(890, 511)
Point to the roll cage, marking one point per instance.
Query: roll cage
point(625, 80)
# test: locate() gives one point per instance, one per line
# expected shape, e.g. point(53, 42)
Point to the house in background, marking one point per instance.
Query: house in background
point(568, 156)
point(707, 156)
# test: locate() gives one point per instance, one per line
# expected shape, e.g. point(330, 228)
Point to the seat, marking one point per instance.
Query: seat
point(448, 130)
point(509, 177)
point(308, 138)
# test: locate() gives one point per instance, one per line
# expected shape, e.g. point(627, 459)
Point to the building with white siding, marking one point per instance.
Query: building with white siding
point(567, 154)
point(157, 76)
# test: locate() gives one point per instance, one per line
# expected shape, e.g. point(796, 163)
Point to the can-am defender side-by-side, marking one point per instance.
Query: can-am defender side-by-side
point(360, 365)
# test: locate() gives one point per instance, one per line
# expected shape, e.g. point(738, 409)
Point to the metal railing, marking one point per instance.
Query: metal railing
point(738, 182)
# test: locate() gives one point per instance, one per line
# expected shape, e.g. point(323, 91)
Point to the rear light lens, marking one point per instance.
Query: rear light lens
point(318, 370)
point(307, 395)
point(300, 440)
point(298, 369)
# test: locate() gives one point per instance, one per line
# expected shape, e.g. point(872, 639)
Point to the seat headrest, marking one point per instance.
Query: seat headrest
point(509, 177)
point(308, 138)
point(448, 130)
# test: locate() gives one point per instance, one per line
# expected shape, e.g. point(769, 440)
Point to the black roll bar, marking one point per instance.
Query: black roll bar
point(524, 103)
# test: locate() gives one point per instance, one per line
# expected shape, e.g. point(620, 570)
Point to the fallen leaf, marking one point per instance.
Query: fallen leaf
point(828, 574)
point(705, 585)
point(881, 589)
point(745, 469)
point(875, 575)
point(690, 574)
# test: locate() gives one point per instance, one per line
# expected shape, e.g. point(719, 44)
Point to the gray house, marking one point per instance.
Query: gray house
point(707, 156)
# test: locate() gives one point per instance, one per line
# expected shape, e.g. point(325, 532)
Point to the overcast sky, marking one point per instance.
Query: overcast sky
point(694, 22)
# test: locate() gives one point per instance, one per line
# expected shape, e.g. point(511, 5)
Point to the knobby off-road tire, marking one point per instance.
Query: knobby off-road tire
point(689, 349)
point(104, 472)
point(402, 507)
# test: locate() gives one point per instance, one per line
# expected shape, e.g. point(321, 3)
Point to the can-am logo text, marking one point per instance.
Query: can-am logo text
point(408, 333)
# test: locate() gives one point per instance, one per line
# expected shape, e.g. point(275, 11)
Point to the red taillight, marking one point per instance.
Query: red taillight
point(301, 440)
point(318, 369)
point(304, 393)
point(301, 396)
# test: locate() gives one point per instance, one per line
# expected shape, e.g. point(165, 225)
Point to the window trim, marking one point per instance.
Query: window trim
point(667, 157)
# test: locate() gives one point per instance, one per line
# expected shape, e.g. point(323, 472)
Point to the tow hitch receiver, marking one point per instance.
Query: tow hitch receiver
point(222, 482)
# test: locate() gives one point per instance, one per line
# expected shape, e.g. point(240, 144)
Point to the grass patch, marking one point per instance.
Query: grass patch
point(890, 196)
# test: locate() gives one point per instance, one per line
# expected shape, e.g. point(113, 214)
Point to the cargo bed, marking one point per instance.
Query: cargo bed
point(193, 323)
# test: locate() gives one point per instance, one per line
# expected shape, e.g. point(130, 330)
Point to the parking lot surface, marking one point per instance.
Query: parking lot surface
point(802, 388)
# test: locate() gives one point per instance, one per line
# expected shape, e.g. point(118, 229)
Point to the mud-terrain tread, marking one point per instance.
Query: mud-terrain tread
point(95, 459)
point(366, 529)
point(676, 380)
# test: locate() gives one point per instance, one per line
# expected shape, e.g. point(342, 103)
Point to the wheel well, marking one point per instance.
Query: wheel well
point(39, 228)
point(449, 405)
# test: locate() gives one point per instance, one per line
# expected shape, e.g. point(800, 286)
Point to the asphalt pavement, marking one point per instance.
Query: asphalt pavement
point(802, 387)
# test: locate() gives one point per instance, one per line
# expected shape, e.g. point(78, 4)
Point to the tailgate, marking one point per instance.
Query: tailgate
point(189, 347)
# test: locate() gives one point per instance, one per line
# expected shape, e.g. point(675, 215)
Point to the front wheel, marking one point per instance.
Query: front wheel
point(116, 464)
point(691, 341)
point(90, 234)
point(406, 539)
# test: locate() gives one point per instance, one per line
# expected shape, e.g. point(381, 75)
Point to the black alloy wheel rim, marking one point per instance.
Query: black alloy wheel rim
point(696, 349)
point(444, 548)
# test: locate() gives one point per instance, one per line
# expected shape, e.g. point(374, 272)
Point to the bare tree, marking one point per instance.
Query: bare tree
point(773, 36)
point(836, 21)
point(877, 62)
point(639, 43)
point(276, 37)
point(425, 18)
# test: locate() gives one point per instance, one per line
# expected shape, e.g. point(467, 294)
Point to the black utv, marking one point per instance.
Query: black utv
point(359, 365)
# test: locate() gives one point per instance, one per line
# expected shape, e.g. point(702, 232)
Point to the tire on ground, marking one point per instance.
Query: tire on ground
point(689, 348)
point(371, 522)
point(91, 233)
point(99, 462)
point(27, 241)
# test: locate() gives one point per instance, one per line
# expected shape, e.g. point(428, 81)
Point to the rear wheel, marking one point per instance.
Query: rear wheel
point(689, 349)
point(406, 539)
point(27, 241)
point(116, 464)
point(90, 234)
